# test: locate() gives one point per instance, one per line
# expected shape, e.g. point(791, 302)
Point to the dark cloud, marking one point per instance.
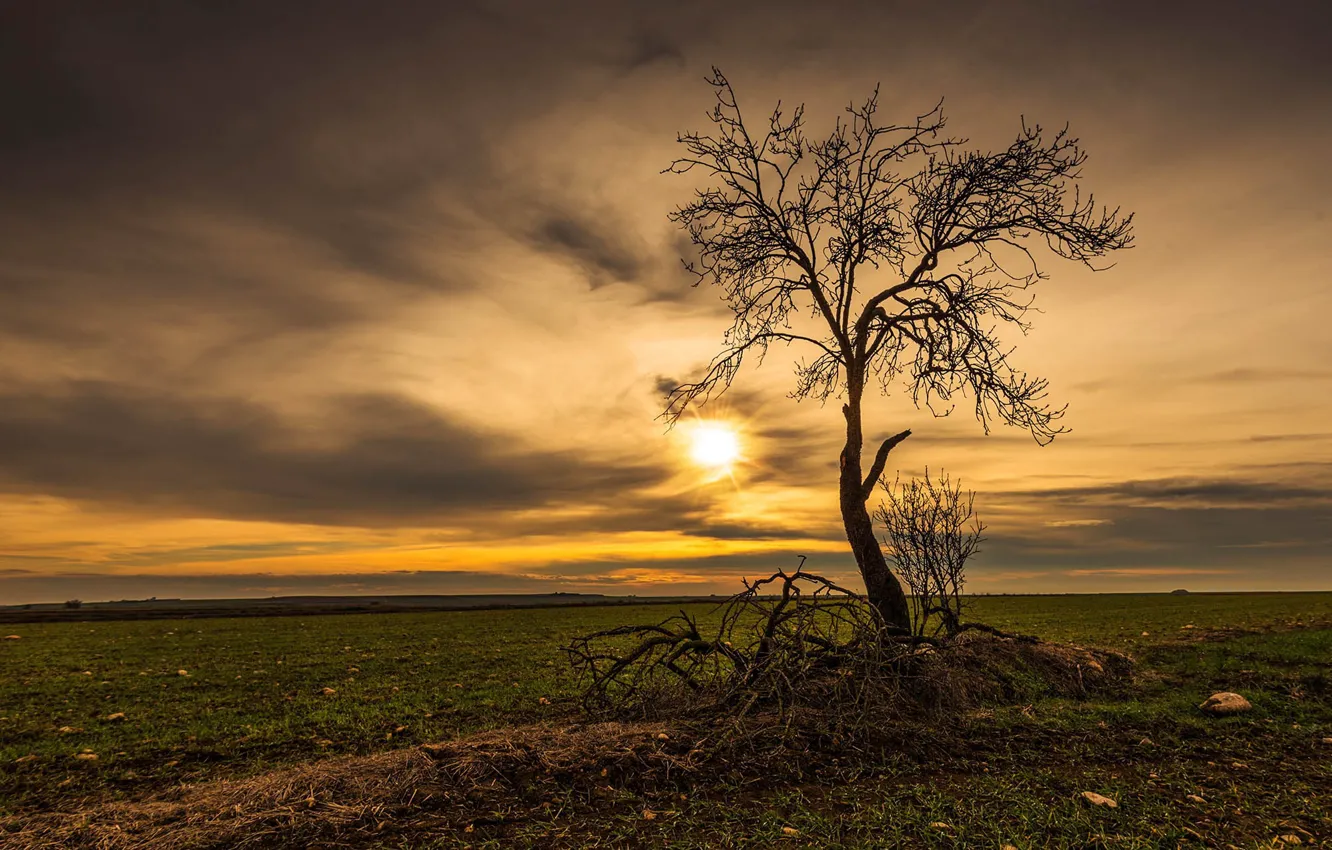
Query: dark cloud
point(96, 586)
point(1263, 376)
point(721, 573)
point(1186, 492)
point(649, 48)
point(597, 253)
point(1292, 438)
point(749, 531)
point(1192, 524)
point(342, 127)
point(374, 460)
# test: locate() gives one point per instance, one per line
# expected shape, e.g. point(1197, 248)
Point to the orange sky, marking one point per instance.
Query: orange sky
point(298, 301)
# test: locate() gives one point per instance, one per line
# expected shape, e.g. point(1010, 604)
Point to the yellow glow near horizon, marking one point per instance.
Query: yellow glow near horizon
point(715, 446)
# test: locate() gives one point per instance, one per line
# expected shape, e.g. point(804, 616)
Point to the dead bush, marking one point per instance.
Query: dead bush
point(931, 531)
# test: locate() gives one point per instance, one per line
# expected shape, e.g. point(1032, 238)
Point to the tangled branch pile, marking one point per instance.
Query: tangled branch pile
point(775, 638)
point(796, 642)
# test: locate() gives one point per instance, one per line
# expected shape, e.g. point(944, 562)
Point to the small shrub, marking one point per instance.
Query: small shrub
point(931, 532)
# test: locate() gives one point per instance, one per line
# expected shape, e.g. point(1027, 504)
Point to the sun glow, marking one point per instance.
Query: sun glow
point(715, 446)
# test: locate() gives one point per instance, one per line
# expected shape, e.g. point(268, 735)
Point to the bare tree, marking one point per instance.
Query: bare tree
point(932, 531)
point(892, 252)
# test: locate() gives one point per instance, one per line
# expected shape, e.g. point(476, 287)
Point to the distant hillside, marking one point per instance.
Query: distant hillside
point(276, 606)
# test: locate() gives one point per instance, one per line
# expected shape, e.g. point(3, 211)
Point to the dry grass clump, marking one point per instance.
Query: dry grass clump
point(336, 794)
point(482, 778)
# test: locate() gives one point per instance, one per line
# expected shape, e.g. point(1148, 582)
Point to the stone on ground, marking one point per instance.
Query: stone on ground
point(1225, 703)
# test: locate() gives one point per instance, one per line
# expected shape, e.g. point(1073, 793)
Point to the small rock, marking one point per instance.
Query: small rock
point(1327, 740)
point(182, 672)
point(543, 701)
point(118, 715)
point(13, 637)
point(1225, 703)
point(790, 830)
point(328, 692)
point(662, 736)
point(1099, 799)
point(1194, 798)
point(86, 756)
point(1189, 626)
point(1145, 634)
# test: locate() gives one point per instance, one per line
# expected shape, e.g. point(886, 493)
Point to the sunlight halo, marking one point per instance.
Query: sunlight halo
point(714, 445)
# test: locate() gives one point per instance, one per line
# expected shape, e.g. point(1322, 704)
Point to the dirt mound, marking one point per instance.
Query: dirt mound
point(255, 812)
point(447, 786)
point(978, 669)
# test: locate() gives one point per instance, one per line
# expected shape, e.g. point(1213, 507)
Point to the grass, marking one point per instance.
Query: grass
point(254, 699)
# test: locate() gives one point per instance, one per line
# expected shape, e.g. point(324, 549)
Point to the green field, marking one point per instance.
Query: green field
point(254, 696)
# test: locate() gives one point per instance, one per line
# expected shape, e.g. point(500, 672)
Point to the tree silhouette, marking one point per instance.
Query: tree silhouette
point(895, 254)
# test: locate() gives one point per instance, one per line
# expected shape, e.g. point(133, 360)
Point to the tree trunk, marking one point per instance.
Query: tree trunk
point(881, 586)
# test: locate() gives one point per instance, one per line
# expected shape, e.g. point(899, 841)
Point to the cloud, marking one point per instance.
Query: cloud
point(1164, 527)
point(597, 253)
point(1076, 523)
point(748, 531)
point(719, 574)
point(1132, 572)
point(1251, 375)
point(371, 460)
point(1184, 492)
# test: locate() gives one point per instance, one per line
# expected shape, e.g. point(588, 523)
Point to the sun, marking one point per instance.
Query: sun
point(715, 446)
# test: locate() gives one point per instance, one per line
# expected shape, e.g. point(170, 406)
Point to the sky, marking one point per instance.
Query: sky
point(339, 297)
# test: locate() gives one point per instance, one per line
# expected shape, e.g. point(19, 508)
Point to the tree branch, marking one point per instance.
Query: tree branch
point(876, 468)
